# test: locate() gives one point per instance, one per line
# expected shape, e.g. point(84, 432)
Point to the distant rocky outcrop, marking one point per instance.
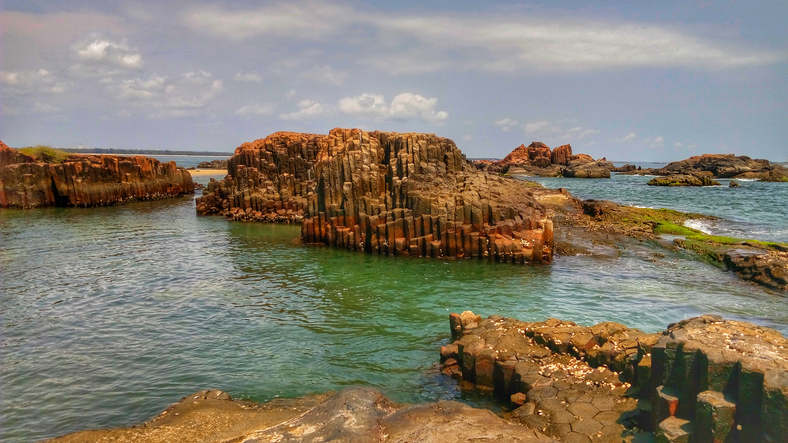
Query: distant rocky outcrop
point(385, 193)
point(721, 166)
point(704, 379)
point(213, 164)
point(684, 180)
point(87, 180)
point(538, 160)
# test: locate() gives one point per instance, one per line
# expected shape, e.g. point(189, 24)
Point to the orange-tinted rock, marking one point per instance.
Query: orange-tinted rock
point(87, 180)
point(385, 193)
point(535, 154)
point(562, 155)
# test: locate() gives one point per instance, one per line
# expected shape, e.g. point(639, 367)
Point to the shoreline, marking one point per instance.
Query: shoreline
point(201, 172)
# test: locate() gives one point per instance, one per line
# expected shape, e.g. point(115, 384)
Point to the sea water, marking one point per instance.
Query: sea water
point(108, 315)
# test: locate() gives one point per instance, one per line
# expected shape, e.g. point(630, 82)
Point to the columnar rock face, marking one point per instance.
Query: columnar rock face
point(561, 155)
point(702, 380)
point(385, 193)
point(85, 180)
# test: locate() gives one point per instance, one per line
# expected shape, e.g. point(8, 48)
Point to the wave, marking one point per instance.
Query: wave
point(698, 224)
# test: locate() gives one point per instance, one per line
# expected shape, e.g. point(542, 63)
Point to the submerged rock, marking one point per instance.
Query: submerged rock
point(385, 193)
point(87, 180)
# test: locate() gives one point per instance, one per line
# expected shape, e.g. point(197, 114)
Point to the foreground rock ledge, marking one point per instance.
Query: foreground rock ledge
point(353, 415)
point(701, 380)
point(385, 193)
point(87, 180)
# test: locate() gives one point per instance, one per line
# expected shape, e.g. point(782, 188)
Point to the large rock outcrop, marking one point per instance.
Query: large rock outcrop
point(87, 180)
point(702, 380)
point(385, 193)
point(683, 180)
point(721, 166)
point(537, 159)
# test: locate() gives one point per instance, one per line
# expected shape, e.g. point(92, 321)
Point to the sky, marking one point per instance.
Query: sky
point(629, 81)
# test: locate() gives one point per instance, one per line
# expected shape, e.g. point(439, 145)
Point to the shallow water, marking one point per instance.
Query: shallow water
point(754, 210)
point(108, 315)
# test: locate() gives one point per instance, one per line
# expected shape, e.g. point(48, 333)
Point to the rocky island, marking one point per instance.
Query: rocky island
point(537, 159)
point(87, 180)
point(384, 193)
point(702, 169)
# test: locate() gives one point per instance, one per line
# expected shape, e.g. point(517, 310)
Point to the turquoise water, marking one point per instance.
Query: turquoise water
point(757, 210)
point(108, 315)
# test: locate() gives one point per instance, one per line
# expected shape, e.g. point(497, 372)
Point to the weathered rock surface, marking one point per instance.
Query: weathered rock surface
point(721, 166)
point(213, 164)
point(352, 415)
point(538, 160)
point(385, 193)
point(87, 180)
point(702, 380)
point(684, 180)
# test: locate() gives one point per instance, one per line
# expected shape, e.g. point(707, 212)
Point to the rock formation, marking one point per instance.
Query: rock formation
point(722, 166)
point(683, 180)
point(537, 159)
point(362, 415)
point(87, 180)
point(213, 164)
point(702, 380)
point(385, 193)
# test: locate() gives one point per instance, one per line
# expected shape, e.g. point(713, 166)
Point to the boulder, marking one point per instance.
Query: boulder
point(580, 168)
point(683, 180)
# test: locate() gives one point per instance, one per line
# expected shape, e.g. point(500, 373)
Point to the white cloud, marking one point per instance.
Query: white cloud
point(248, 77)
point(585, 133)
point(304, 20)
point(530, 128)
point(255, 109)
point(506, 124)
point(467, 137)
point(366, 104)
point(692, 146)
point(658, 142)
point(482, 41)
point(405, 106)
point(28, 82)
point(307, 110)
point(171, 97)
point(325, 74)
point(628, 138)
point(677, 145)
point(290, 94)
point(97, 56)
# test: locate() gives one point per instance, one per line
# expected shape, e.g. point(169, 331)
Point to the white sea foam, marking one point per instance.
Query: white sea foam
point(699, 224)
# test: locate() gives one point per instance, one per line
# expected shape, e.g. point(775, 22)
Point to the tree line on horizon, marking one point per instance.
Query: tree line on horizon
point(144, 152)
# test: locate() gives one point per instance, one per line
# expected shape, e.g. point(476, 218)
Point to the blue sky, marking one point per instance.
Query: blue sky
point(648, 81)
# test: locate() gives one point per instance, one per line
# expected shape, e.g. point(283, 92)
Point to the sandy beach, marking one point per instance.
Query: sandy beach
point(195, 172)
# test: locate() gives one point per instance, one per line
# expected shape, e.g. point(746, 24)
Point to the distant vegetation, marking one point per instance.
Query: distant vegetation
point(145, 152)
point(45, 154)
